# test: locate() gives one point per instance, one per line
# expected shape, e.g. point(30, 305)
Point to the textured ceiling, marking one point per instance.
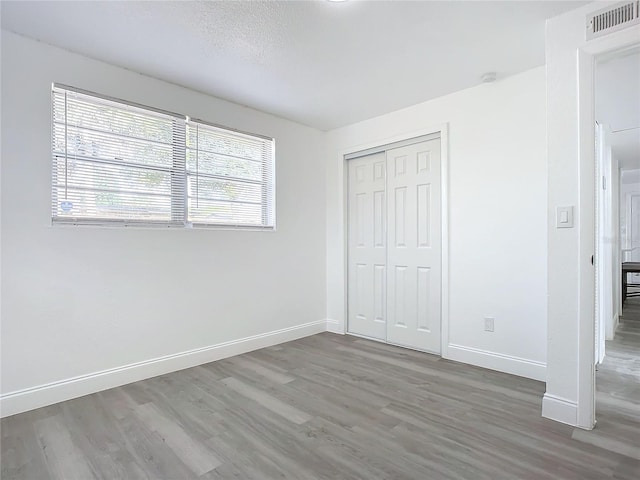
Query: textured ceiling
point(320, 63)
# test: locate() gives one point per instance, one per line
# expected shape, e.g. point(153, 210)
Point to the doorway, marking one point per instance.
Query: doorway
point(617, 312)
point(394, 240)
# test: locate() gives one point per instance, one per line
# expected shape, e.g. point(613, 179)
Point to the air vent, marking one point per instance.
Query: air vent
point(612, 19)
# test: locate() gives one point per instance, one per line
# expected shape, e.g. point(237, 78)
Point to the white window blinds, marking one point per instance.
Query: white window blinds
point(114, 162)
point(229, 177)
point(120, 163)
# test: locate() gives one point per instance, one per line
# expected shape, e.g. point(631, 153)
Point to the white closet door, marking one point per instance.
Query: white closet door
point(367, 246)
point(414, 246)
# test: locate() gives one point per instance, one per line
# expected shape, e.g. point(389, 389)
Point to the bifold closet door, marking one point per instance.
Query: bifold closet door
point(367, 246)
point(414, 246)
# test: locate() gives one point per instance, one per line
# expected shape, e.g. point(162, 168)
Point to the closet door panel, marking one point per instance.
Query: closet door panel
point(367, 234)
point(414, 247)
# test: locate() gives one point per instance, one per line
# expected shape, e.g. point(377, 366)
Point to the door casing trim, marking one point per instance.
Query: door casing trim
point(588, 182)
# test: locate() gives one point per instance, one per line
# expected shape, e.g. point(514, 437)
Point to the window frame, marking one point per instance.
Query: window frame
point(179, 199)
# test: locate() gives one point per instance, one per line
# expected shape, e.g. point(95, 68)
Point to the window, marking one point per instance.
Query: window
point(125, 164)
point(229, 177)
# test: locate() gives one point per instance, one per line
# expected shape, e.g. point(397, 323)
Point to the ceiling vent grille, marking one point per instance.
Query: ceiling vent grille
point(612, 19)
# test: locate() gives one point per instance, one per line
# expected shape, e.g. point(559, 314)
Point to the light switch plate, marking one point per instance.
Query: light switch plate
point(564, 217)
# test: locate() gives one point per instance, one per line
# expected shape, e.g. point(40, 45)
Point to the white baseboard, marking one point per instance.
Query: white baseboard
point(334, 326)
point(560, 409)
point(497, 361)
point(43, 395)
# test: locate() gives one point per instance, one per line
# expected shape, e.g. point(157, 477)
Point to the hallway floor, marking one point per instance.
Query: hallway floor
point(618, 389)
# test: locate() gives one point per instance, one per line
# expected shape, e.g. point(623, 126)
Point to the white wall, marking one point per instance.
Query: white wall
point(497, 217)
point(79, 300)
point(569, 394)
point(618, 103)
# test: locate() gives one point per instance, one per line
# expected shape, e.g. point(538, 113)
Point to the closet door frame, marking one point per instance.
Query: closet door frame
point(443, 131)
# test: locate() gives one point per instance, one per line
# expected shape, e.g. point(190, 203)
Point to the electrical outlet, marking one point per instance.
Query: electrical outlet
point(488, 324)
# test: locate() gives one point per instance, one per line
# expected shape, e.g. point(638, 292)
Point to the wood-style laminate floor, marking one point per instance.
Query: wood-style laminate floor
point(323, 407)
point(618, 389)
